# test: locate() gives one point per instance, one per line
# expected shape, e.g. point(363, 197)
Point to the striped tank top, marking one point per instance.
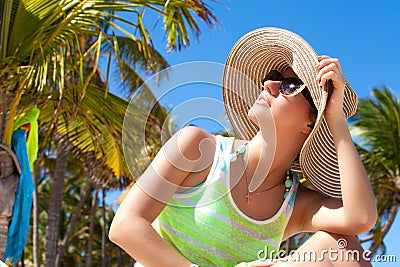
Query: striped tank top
point(206, 227)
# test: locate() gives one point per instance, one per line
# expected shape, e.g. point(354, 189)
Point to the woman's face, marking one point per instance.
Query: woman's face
point(288, 113)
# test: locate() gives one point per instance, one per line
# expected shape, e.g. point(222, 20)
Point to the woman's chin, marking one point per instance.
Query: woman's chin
point(260, 113)
point(253, 117)
point(262, 117)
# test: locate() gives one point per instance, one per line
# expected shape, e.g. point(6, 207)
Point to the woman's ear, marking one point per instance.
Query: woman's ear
point(309, 125)
point(308, 128)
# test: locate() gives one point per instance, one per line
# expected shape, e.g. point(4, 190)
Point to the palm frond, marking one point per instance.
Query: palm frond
point(46, 35)
point(131, 62)
point(8, 12)
point(377, 123)
point(178, 15)
point(94, 127)
point(377, 126)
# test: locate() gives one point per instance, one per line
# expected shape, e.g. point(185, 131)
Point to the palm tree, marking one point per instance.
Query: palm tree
point(377, 126)
point(43, 56)
point(74, 230)
point(42, 51)
point(94, 132)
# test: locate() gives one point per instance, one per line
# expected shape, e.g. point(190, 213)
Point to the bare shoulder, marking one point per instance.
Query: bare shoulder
point(197, 150)
point(191, 150)
point(183, 154)
point(193, 142)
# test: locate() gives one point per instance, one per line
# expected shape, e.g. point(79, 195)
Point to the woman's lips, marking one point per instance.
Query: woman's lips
point(263, 100)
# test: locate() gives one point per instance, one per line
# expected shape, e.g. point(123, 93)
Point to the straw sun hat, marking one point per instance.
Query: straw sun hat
point(250, 59)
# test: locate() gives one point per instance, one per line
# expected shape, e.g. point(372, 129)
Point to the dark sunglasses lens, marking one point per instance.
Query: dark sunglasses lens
point(289, 85)
point(288, 89)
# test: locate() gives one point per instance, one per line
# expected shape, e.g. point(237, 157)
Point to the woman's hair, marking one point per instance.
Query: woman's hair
point(309, 99)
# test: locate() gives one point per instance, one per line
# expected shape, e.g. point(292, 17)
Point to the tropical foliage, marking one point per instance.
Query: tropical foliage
point(49, 58)
point(75, 216)
point(377, 127)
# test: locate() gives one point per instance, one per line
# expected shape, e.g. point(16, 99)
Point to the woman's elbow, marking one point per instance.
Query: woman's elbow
point(370, 219)
point(117, 233)
point(114, 232)
point(365, 222)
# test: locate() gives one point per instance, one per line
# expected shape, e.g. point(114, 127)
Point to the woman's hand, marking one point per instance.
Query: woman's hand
point(330, 74)
point(258, 263)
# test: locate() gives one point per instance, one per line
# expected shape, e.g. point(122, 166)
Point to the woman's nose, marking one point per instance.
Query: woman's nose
point(272, 87)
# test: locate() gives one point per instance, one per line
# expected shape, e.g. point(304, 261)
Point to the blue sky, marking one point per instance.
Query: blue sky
point(364, 35)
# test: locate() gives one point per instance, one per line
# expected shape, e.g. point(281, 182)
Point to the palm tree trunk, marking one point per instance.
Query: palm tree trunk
point(103, 230)
point(385, 228)
point(35, 221)
point(3, 235)
point(291, 245)
point(119, 258)
point(53, 220)
point(63, 246)
point(3, 111)
point(91, 231)
point(8, 187)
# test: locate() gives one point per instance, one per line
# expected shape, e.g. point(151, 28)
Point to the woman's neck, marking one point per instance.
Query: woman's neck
point(268, 160)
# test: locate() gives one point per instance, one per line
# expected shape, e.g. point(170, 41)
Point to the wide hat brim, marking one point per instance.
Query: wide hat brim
point(250, 59)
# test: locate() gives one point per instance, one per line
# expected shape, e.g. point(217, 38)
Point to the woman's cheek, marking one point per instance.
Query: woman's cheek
point(291, 115)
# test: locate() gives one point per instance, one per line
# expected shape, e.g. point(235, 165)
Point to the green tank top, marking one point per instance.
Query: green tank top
point(205, 225)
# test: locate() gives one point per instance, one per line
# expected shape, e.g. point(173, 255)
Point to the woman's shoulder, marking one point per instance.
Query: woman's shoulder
point(195, 134)
point(194, 142)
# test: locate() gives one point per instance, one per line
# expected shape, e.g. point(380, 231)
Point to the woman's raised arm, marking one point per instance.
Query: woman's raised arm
point(356, 213)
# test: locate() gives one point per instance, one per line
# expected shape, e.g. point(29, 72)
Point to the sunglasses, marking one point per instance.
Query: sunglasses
point(290, 86)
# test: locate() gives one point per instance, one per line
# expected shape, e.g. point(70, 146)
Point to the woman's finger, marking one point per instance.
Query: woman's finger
point(327, 69)
point(325, 60)
point(328, 76)
point(321, 57)
point(260, 263)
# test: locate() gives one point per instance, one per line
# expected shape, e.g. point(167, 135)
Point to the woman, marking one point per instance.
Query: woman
point(221, 201)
